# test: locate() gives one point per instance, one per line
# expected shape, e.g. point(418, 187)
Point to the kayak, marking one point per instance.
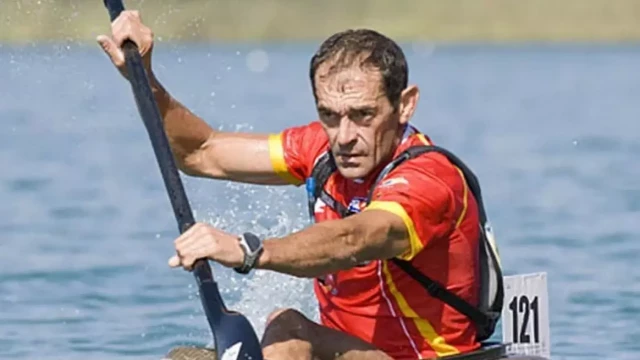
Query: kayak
point(492, 351)
point(525, 326)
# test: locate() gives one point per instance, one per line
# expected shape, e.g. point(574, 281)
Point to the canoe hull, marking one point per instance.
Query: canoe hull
point(489, 353)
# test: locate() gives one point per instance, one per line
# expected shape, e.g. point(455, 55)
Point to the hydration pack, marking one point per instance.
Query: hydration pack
point(491, 291)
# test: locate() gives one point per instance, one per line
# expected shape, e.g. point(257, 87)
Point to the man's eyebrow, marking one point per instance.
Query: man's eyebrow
point(359, 108)
point(362, 108)
point(324, 108)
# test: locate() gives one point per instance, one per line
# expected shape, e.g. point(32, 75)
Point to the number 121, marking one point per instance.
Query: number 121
point(522, 305)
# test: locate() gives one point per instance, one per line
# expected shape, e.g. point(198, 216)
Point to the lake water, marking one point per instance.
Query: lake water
point(86, 228)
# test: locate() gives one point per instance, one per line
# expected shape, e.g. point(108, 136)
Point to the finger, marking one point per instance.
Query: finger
point(199, 250)
point(198, 246)
point(187, 262)
point(120, 28)
point(132, 26)
point(112, 50)
point(174, 261)
point(191, 235)
point(128, 26)
point(184, 237)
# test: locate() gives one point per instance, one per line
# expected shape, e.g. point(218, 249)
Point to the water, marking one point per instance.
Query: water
point(552, 133)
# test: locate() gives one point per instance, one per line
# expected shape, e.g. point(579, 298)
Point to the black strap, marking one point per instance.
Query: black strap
point(470, 177)
point(322, 171)
point(448, 297)
point(439, 292)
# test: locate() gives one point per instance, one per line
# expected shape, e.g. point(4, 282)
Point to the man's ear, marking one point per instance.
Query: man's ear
point(408, 102)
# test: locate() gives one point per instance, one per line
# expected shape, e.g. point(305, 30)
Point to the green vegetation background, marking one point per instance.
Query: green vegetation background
point(25, 21)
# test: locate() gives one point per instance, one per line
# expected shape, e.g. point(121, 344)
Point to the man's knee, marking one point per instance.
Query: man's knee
point(287, 318)
point(291, 335)
point(286, 336)
point(274, 314)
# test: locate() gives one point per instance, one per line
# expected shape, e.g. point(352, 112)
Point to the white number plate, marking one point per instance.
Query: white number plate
point(525, 315)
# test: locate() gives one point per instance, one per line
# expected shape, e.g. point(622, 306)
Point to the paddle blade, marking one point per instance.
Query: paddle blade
point(232, 331)
point(238, 340)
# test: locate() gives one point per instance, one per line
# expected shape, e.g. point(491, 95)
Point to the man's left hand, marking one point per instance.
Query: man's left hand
point(204, 241)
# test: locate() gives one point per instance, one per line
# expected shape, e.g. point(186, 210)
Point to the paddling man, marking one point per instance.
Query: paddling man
point(421, 212)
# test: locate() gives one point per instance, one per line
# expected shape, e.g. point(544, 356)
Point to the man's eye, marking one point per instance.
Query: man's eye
point(328, 117)
point(361, 115)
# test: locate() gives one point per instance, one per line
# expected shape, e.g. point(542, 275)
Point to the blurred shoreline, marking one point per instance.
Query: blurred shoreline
point(455, 21)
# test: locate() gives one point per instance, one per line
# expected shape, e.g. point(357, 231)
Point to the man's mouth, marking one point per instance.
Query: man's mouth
point(347, 157)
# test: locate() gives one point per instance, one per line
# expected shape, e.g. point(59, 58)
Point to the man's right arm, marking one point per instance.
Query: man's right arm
point(197, 148)
point(201, 151)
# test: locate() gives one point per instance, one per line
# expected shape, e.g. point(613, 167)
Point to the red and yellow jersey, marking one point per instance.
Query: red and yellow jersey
point(378, 301)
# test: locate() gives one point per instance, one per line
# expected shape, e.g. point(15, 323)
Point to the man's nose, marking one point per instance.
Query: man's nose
point(347, 132)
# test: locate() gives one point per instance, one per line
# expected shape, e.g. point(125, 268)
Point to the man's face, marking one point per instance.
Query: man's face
point(361, 123)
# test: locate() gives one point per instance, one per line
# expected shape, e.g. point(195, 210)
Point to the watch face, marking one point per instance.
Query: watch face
point(253, 241)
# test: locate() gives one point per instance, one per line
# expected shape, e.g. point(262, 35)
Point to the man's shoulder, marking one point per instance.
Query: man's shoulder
point(311, 126)
point(311, 133)
point(311, 136)
point(429, 178)
point(428, 166)
point(301, 145)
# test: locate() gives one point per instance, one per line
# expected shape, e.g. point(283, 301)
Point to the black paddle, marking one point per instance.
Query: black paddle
point(234, 336)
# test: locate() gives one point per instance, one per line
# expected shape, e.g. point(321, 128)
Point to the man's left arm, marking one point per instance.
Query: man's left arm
point(403, 217)
point(329, 246)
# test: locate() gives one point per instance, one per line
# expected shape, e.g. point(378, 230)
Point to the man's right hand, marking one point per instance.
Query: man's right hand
point(128, 26)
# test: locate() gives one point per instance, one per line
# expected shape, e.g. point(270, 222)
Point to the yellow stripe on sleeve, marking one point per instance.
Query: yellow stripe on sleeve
point(276, 154)
point(414, 239)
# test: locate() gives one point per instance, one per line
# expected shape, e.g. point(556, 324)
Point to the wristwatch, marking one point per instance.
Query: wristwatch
point(251, 244)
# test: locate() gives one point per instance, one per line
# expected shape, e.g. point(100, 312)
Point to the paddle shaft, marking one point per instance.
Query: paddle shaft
point(153, 122)
point(233, 334)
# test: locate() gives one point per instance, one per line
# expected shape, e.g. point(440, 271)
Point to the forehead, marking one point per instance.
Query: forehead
point(345, 86)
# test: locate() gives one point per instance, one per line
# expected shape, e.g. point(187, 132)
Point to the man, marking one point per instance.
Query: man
point(421, 212)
